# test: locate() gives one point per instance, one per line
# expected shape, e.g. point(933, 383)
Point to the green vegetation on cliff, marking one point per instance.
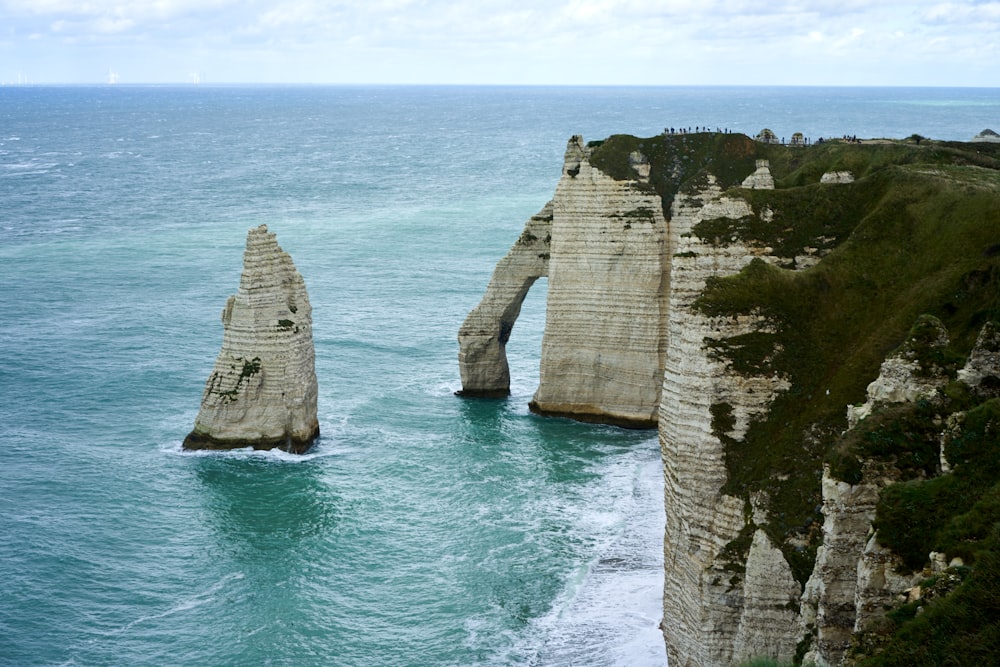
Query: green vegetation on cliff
point(962, 628)
point(677, 161)
point(956, 513)
point(916, 234)
point(914, 242)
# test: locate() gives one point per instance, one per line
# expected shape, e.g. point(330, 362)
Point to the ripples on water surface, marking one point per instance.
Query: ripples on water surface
point(423, 529)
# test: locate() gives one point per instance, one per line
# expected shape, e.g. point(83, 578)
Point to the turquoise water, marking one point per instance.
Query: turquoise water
point(423, 529)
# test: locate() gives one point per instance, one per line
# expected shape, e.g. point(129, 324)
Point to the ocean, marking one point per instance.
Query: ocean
point(423, 529)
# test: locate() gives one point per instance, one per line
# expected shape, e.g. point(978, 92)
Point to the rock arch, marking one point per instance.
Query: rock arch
point(482, 339)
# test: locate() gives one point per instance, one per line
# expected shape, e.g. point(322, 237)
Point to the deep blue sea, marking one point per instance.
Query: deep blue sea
point(423, 529)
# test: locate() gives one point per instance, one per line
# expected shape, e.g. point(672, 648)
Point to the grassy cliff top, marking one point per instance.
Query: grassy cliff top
point(680, 161)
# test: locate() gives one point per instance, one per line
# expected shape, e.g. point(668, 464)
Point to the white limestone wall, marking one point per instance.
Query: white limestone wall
point(706, 602)
point(603, 346)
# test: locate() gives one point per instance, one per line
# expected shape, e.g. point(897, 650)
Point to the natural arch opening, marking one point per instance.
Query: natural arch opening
point(483, 337)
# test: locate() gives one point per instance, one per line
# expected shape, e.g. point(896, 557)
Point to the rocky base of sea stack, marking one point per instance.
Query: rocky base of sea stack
point(595, 417)
point(483, 393)
point(287, 443)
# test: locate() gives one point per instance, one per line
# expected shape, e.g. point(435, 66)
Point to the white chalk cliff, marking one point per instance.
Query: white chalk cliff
point(621, 328)
point(262, 391)
point(716, 611)
point(606, 311)
point(602, 244)
point(631, 245)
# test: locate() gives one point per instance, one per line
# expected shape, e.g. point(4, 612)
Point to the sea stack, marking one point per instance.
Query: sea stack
point(262, 391)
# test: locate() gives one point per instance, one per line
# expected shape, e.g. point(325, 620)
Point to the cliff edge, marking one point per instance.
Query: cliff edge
point(262, 391)
point(801, 324)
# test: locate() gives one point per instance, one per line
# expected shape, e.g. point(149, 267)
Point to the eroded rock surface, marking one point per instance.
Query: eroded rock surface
point(982, 369)
point(703, 601)
point(602, 244)
point(606, 310)
point(482, 339)
point(768, 625)
point(262, 391)
point(834, 177)
point(761, 178)
point(906, 375)
point(828, 601)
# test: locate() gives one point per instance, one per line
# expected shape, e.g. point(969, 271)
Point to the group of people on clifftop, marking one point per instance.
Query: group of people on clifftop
point(697, 128)
point(797, 139)
point(850, 139)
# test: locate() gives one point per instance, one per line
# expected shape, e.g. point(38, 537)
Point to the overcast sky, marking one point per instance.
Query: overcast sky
point(573, 42)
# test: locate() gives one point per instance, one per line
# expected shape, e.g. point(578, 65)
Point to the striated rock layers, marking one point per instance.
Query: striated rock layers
point(720, 605)
point(482, 356)
point(262, 391)
point(601, 242)
point(744, 295)
point(606, 311)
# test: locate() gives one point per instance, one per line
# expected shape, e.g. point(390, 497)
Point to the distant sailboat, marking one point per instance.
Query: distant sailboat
point(112, 77)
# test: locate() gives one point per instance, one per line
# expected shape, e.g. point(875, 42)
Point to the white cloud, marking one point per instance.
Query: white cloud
point(719, 41)
point(99, 8)
point(92, 27)
point(962, 12)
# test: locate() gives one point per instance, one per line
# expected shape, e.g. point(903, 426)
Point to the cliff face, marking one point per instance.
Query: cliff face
point(602, 349)
point(720, 604)
point(797, 319)
point(602, 244)
point(782, 303)
point(262, 391)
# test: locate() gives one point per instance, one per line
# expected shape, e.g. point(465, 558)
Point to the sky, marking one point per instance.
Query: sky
point(535, 42)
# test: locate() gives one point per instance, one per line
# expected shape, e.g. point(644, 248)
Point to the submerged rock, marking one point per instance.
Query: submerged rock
point(262, 391)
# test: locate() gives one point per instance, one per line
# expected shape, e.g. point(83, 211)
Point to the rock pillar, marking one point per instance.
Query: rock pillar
point(262, 391)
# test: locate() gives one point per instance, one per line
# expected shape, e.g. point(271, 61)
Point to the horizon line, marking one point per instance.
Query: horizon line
point(373, 84)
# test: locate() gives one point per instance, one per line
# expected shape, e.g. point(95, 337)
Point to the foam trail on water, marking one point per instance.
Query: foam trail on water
point(186, 604)
point(318, 450)
point(610, 613)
